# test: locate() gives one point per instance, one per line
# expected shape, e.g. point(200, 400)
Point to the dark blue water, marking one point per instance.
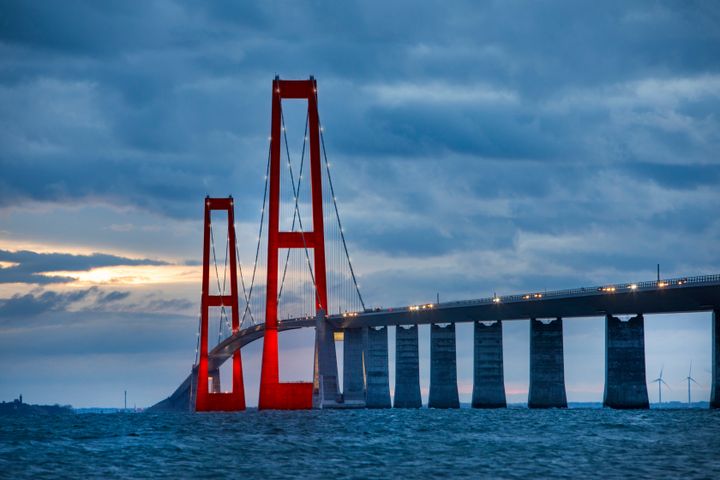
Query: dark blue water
point(512, 443)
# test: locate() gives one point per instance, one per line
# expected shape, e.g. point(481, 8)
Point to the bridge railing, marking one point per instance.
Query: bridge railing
point(601, 290)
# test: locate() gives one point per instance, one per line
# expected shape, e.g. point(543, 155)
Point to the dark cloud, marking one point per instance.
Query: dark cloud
point(109, 297)
point(676, 176)
point(32, 265)
point(180, 107)
point(83, 28)
point(167, 304)
point(409, 241)
point(30, 305)
point(465, 120)
point(51, 308)
point(28, 309)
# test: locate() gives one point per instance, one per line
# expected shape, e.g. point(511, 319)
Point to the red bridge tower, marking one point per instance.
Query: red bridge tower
point(273, 393)
point(205, 400)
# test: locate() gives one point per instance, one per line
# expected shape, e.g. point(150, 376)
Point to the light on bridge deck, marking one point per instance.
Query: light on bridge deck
point(414, 308)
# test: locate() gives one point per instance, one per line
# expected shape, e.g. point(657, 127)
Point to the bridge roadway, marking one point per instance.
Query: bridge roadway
point(688, 294)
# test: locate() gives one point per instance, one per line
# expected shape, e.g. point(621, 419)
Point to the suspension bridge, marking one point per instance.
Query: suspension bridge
point(302, 277)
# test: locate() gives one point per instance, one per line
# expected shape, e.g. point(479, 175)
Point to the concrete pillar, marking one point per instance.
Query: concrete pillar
point(443, 368)
point(378, 382)
point(326, 391)
point(489, 378)
point(547, 365)
point(625, 380)
point(407, 368)
point(715, 392)
point(214, 381)
point(353, 365)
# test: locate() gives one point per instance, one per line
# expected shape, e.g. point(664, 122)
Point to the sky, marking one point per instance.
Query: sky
point(476, 147)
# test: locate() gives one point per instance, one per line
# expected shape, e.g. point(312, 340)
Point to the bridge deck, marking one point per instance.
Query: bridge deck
point(667, 296)
point(689, 294)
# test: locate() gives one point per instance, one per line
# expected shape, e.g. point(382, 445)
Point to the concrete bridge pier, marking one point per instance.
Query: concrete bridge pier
point(625, 378)
point(326, 391)
point(443, 368)
point(378, 382)
point(407, 368)
point(715, 392)
point(547, 365)
point(489, 379)
point(354, 346)
point(214, 381)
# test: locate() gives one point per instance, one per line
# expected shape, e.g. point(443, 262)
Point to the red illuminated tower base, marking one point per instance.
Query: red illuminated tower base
point(208, 397)
point(273, 393)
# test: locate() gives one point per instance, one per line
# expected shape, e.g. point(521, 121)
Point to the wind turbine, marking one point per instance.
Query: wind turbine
point(689, 379)
point(660, 383)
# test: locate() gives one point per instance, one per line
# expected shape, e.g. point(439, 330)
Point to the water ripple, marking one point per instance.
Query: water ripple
point(510, 443)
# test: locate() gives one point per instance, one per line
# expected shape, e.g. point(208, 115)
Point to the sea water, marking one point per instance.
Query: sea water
point(425, 443)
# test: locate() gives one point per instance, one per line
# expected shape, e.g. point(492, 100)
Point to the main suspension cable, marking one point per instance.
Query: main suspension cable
point(242, 282)
point(197, 343)
point(257, 250)
point(337, 213)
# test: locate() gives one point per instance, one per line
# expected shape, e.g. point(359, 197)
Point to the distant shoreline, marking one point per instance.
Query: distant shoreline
point(17, 407)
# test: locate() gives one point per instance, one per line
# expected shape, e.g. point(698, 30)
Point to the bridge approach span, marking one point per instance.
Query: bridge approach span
point(667, 296)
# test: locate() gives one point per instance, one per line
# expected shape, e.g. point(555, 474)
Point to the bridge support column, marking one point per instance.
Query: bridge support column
point(625, 380)
point(378, 382)
point(407, 368)
point(443, 368)
point(489, 380)
point(353, 365)
point(715, 392)
point(214, 378)
point(547, 368)
point(326, 392)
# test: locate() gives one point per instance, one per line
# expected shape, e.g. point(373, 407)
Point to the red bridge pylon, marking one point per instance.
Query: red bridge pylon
point(273, 393)
point(208, 398)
